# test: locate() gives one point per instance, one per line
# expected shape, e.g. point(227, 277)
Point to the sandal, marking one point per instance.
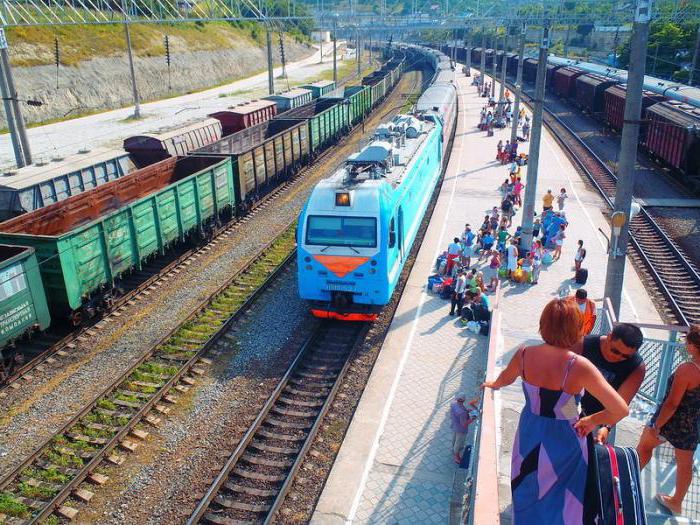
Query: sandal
point(660, 500)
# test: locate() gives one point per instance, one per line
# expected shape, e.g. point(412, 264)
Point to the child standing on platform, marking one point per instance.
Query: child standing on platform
point(561, 199)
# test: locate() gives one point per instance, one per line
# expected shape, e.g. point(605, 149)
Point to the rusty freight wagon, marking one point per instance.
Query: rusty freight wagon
point(673, 136)
point(564, 85)
point(590, 92)
point(263, 156)
point(615, 106)
point(245, 115)
point(149, 148)
point(85, 243)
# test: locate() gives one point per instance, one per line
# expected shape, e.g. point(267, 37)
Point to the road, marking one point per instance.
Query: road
point(108, 129)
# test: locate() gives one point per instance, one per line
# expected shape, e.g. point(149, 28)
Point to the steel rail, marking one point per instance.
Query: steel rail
point(113, 442)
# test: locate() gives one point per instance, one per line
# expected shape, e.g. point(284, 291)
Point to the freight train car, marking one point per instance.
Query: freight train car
point(263, 156)
point(327, 118)
point(320, 88)
point(360, 102)
point(150, 148)
point(22, 300)
point(291, 99)
point(38, 185)
point(673, 136)
point(590, 92)
point(615, 106)
point(87, 242)
point(245, 115)
point(564, 85)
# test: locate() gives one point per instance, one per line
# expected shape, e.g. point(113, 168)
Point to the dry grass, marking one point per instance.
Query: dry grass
point(31, 46)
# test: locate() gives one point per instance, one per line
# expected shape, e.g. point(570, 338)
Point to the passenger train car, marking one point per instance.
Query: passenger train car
point(358, 227)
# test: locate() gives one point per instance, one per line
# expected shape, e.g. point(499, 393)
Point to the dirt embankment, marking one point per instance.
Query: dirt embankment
point(91, 82)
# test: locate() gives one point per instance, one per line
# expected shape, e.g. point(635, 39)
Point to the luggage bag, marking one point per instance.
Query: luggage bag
point(617, 491)
point(581, 276)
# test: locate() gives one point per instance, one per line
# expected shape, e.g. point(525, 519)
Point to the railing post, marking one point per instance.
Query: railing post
point(665, 367)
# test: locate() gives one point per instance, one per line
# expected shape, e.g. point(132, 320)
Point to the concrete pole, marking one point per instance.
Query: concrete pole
point(518, 86)
point(10, 114)
point(335, 51)
point(469, 54)
point(482, 66)
point(535, 136)
point(696, 57)
point(358, 52)
point(628, 153)
point(20, 128)
point(270, 65)
point(132, 71)
point(369, 60)
point(495, 63)
point(501, 91)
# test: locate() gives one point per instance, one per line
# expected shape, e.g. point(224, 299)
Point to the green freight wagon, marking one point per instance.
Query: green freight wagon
point(360, 98)
point(22, 299)
point(85, 243)
point(320, 88)
point(262, 156)
point(328, 120)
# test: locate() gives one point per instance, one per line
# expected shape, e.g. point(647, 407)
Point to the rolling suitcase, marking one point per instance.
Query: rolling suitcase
point(581, 276)
point(617, 488)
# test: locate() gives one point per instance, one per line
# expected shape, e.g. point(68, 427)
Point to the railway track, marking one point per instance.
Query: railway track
point(46, 349)
point(62, 467)
point(107, 425)
point(654, 252)
point(256, 477)
point(663, 260)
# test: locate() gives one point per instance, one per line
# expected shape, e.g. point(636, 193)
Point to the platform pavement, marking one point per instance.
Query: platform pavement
point(394, 465)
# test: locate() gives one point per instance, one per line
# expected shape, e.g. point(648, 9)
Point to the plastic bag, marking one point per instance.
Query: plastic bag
point(474, 326)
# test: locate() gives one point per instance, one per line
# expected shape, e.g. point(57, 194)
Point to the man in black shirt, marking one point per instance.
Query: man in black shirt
point(615, 356)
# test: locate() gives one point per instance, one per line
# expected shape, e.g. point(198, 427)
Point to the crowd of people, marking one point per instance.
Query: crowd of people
point(577, 386)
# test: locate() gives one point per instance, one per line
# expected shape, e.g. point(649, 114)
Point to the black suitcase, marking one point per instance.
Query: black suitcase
point(615, 487)
point(581, 275)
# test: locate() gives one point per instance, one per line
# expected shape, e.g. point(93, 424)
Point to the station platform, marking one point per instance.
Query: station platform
point(395, 464)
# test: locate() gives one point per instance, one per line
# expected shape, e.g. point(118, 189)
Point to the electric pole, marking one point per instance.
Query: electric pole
point(495, 63)
point(335, 51)
point(358, 52)
point(483, 60)
point(534, 153)
point(501, 91)
point(469, 55)
point(628, 155)
point(691, 77)
point(132, 69)
point(8, 94)
point(518, 86)
point(270, 70)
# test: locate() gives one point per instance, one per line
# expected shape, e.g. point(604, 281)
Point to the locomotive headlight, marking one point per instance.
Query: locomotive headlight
point(342, 199)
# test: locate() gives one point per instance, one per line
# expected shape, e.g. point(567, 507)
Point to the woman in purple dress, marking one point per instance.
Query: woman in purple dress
point(550, 458)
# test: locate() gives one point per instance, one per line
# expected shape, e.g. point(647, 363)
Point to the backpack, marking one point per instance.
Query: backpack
point(484, 328)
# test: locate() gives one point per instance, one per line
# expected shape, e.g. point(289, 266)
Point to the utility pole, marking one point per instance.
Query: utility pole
point(358, 53)
point(534, 153)
point(335, 50)
point(691, 77)
point(270, 66)
point(501, 91)
point(518, 86)
point(15, 123)
point(482, 65)
point(132, 69)
point(495, 63)
point(469, 54)
point(628, 155)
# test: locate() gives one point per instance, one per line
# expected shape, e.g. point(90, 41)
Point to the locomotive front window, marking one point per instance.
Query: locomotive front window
point(359, 232)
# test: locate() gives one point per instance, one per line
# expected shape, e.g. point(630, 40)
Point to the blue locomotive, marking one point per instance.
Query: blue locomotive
point(358, 226)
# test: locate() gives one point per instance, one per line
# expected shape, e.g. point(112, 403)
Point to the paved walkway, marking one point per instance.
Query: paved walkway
point(111, 127)
point(395, 465)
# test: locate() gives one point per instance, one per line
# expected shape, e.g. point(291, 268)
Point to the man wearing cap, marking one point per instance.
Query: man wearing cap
point(461, 416)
